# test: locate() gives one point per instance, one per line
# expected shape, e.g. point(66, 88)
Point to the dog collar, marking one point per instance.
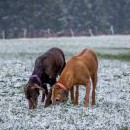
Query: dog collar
point(61, 85)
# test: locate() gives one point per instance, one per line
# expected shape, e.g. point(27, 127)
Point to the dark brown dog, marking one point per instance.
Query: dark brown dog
point(78, 71)
point(47, 67)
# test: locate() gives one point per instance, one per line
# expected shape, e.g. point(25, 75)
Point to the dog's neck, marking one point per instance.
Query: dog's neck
point(35, 79)
point(66, 82)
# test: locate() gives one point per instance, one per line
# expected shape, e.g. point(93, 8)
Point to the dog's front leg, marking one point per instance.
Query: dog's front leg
point(76, 95)
point(86, 102)
point(44, 93)
point(72, 94)
point(48, 99)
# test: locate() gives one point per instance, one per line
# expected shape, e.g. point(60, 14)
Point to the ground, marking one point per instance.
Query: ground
point(112, 108)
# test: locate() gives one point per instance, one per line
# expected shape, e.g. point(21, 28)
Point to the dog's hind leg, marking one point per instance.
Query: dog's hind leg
point(94, 82)
point(86, 102)
point(76, 95)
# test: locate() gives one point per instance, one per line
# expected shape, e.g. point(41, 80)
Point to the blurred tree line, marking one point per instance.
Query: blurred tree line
point(39, 18)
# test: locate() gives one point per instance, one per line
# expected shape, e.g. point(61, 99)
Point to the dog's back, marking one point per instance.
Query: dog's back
point(88, 57)
point(81, 66)
point(78, 71)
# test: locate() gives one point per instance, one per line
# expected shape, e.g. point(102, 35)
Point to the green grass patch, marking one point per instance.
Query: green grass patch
point(122, 57)
point(123, 128)
point(114, 48)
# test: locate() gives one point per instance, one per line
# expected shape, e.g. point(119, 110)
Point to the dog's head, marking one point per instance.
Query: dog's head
point(32, 93)
point(59, 94)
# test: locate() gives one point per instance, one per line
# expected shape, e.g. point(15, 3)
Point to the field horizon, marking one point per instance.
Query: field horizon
point(111, 112)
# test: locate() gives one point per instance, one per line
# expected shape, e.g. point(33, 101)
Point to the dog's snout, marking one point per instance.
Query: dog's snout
point(57, 100)
point(32, 103)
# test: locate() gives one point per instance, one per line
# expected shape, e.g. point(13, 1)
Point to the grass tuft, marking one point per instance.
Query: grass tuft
point(123, 128)
point(122, 57)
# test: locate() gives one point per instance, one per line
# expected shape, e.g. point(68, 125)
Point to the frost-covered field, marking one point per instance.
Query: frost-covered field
point(112, 109)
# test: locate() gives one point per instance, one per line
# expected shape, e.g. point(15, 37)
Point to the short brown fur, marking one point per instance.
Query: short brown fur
point(78, 71)
point(47, 67)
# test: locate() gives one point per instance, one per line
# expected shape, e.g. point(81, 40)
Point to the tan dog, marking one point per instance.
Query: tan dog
point(78, 71)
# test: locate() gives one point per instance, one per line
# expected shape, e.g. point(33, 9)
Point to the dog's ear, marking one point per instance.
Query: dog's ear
point(35, 86)
point(65, 92)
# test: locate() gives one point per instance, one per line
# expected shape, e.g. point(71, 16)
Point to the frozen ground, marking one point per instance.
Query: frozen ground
point(112, 109)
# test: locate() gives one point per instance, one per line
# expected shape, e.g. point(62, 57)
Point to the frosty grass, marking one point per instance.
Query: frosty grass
point(112, 109)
